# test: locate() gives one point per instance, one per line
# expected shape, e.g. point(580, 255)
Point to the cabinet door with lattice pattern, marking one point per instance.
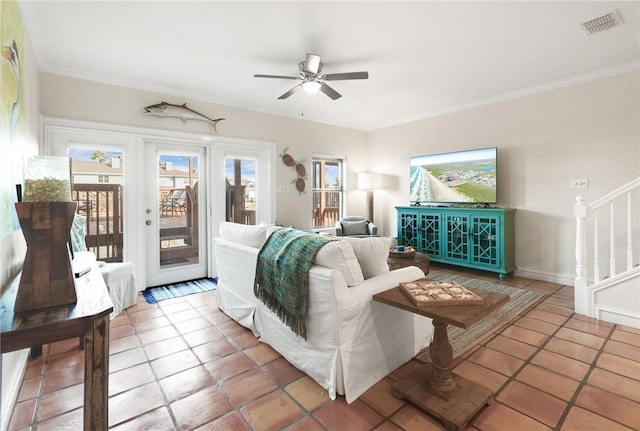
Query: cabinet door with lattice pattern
point(485, 236)
point(408, 231)
point(430, 228)
point(457, 241)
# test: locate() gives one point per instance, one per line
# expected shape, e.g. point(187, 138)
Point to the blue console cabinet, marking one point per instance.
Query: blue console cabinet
point(481, 238)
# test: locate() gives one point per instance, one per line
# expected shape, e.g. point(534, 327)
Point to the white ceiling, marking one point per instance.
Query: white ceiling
point(423, 58)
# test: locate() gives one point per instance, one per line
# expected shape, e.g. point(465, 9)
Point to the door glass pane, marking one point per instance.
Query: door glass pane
point(98, 179)
point(178, 209)
point(240, 176)
point(327, 192)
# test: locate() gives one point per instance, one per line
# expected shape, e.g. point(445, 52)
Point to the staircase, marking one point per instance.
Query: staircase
point(612, 226)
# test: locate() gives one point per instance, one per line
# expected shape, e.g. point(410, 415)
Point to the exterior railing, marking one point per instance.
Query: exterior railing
point(101, 204)
point(326, 208)
point(326, 217)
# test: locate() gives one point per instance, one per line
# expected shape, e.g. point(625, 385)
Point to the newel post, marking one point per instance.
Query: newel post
point(580, 284)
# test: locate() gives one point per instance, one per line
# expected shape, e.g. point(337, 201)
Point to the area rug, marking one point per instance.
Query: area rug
point(175, 290)
point(462, 339)
point(173, 261)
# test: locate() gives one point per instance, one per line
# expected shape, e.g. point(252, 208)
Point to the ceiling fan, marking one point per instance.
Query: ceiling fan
point(313, 79)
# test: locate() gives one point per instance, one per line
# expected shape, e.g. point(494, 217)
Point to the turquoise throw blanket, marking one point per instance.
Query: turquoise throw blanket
point(282, 275)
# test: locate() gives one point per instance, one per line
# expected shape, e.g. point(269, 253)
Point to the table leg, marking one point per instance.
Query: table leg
point(434, 388)
point(35, 352)
point(441, 379)
point(96, 375)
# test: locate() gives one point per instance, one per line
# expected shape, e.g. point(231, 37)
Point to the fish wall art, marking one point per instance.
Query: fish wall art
point(164, 109)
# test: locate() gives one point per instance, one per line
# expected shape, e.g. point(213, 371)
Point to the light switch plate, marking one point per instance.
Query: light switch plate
point(581, 183)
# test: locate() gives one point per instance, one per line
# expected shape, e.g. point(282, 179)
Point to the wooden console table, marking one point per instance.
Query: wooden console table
point(434, 388)
point(88, 319)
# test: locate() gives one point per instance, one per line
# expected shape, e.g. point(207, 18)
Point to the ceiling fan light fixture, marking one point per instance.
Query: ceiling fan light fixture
point(311, 87)
point(312, 79)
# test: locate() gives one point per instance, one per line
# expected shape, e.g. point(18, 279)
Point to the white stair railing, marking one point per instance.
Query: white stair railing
point(581, 213)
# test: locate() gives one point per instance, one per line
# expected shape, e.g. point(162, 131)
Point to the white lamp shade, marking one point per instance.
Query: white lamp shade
point(369, 181)
point(311, 87)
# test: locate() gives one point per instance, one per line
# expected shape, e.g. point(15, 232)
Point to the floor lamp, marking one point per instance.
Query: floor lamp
point(369, 182)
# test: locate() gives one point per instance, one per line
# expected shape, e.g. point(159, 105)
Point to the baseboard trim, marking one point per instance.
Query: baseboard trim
point(13, 366)
point(615, 315)
point(552, 278)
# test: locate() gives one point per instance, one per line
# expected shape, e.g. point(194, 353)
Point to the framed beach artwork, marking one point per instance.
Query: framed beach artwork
point(12, 112)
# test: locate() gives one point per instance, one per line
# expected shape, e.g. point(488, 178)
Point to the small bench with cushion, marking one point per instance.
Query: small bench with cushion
point(118, 276)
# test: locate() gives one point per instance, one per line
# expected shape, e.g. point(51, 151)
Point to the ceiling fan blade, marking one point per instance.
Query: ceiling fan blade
point(312, 63)
point(329, 91)
point(344, 76)
point(290, 92)
point(258, 75)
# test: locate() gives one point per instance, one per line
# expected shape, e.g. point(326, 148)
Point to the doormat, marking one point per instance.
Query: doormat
point(173, 261)
point(462, 339)
point(154, 294)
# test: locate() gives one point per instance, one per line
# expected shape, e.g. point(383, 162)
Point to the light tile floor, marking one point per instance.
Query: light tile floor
point(183, 364)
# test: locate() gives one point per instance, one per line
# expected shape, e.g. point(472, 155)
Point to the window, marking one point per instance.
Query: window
point(327, 173)
point(98, 178)
point(243, 177)
point(240, 190)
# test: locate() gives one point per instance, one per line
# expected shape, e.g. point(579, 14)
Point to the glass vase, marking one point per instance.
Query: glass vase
point(47, 179)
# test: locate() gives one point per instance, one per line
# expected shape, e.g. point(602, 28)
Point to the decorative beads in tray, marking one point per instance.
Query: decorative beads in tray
point(432, 292)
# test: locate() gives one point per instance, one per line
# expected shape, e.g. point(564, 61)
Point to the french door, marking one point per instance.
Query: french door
point(175, 212)
point(162, 227)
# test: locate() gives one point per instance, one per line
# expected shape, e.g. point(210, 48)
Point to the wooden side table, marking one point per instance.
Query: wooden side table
point(88, 318)
point(434, 388)
point(420, 260)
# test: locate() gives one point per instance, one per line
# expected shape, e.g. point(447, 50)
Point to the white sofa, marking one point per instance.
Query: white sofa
point(352, 342)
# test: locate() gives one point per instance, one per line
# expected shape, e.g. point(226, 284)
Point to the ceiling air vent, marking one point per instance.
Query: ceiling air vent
point(605, 22)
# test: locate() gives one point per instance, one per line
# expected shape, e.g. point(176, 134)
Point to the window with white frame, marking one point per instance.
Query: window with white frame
point(328, 190)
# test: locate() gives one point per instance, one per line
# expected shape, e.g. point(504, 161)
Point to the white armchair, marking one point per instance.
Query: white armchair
point(355, 226)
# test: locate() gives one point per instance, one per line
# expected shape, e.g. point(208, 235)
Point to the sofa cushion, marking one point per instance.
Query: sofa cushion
point(271, 228)
point(78, 233)
point(372, 254)
point(251, 235)
point(340, 255)
point(355, 227)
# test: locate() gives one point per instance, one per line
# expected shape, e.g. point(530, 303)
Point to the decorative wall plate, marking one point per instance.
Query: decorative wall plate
point(298, 166)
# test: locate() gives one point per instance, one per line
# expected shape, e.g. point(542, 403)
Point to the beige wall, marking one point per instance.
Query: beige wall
point(589, 130)
point(65, 97)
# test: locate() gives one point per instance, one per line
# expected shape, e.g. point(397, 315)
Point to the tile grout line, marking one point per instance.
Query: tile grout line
point(584, 382)
point(256, 367)
point(41, 394)
point(309, 413)
point(218, 383)
point(528, 361)
point(581, 383)
point(569, 403)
